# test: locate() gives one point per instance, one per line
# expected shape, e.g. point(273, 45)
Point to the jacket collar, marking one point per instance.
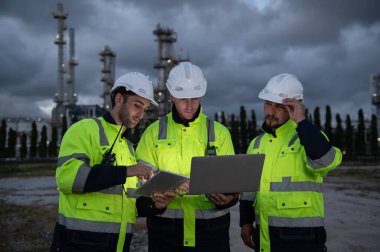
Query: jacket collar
point(108, 118)
point(280, 131)
point(186, 123)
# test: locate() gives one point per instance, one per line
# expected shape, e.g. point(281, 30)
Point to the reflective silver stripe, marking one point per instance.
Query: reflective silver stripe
point(162, 128)
point(256, 145)
point(93, 226)
point(287, 186)
point(117, 189)
point(130, 146)
point(163, 125)
point(102, 135)
point(293, 140)
point(295, 186)
point(131, 193)
point(210, 130)
point(248, 196)
point(210, 213)
point(147, 164)
point(80, 178)
point(79, 156)
point(324, 161)
point(295, 222)
point(199, 214)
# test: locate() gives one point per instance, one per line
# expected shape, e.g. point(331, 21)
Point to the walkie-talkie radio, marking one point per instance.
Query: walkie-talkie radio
point(109, 157)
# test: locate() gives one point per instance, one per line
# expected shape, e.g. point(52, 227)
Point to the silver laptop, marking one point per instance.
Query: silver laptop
point(226, 174)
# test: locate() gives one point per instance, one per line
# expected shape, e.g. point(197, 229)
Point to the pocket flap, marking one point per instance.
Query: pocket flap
point(95, 203)
point(293, 202)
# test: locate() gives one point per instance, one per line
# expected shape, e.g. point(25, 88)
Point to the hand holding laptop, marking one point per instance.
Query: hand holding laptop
point(222, 199)
point(162, 199)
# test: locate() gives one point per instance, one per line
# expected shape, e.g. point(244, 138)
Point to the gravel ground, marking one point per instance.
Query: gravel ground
point(352, 211)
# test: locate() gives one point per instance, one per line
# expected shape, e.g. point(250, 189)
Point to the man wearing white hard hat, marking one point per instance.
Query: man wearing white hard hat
point(97, 173)
point(190, 222)
point(287, 213)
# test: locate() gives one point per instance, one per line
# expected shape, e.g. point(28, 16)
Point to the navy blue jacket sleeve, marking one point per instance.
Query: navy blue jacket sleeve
point(247, 212)
point(103, 176)
point(315, 143)
point(146, 207)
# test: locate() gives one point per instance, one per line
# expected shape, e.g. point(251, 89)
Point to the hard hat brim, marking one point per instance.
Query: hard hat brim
point(270, 97)
point(187, 94)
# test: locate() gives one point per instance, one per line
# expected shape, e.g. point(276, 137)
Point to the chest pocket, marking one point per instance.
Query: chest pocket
point(167, 154)
point(93, 203)
point(289, 161)
point(291, 202)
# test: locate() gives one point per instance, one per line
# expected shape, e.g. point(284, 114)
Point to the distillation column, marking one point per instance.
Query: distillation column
point(166, 61)
point(107, 57)
point(71, 97)
point(59, 110)
point(375, 82)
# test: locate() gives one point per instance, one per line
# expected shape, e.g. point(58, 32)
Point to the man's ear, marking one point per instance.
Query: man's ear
point(119, 98)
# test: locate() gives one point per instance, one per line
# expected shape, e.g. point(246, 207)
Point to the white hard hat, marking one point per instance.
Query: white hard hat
point(282, 86)
point(186, 81)
point(138, 84)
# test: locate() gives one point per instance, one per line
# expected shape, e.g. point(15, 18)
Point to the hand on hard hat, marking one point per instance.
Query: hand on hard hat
point(296, 109)
point(138, 84)
point(186, 81)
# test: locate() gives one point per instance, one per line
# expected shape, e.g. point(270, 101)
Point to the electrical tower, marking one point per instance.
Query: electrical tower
point(107, 57)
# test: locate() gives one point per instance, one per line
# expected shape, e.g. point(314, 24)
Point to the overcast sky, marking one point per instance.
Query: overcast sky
point(332, 46)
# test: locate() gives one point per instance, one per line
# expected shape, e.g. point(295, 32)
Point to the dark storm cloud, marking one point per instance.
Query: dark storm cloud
point(329, 45)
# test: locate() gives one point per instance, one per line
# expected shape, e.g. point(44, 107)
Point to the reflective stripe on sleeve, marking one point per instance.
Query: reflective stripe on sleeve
point(324, 161)
point(80, 178)
point(79, 156)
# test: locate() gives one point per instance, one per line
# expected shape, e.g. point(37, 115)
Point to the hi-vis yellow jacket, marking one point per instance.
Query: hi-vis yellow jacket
point(290, 192)
point(104, 211)
point(170, 146)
